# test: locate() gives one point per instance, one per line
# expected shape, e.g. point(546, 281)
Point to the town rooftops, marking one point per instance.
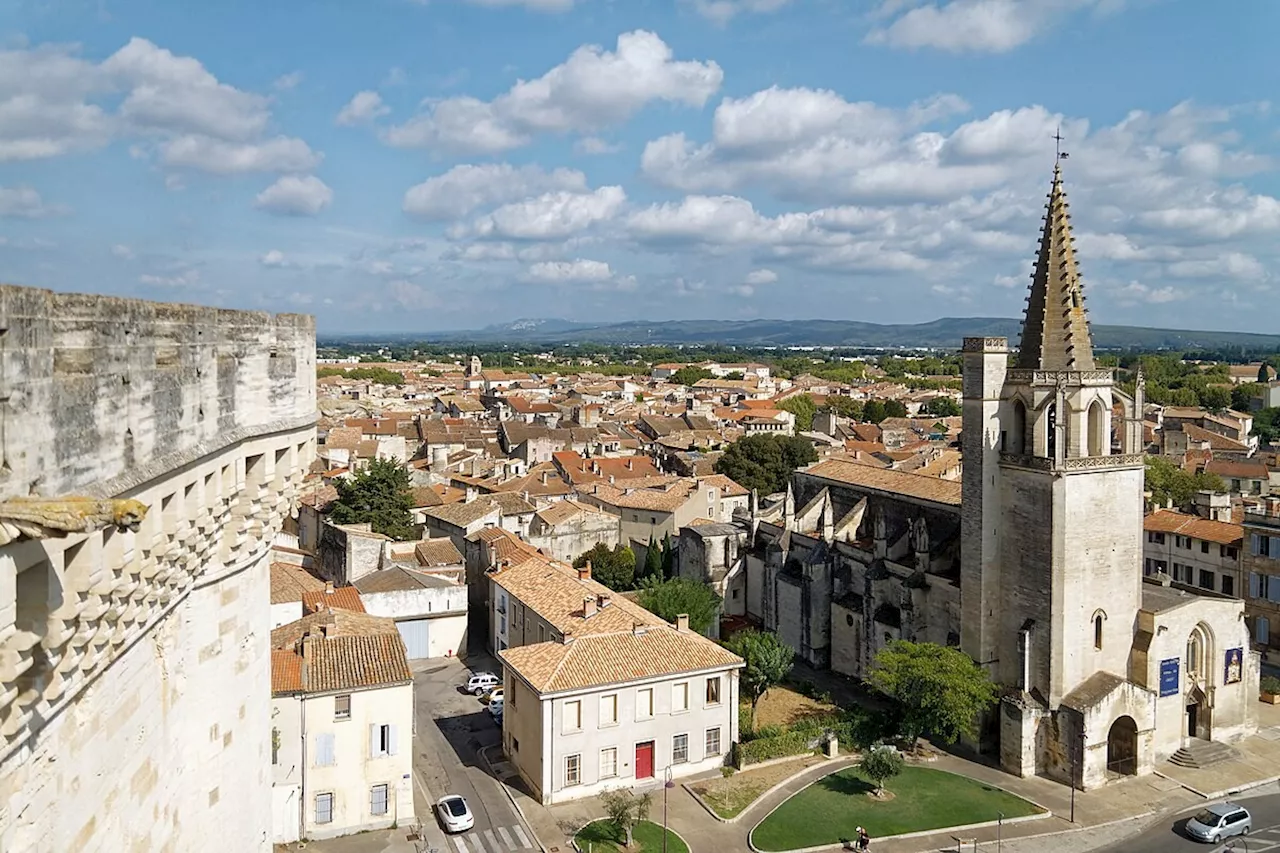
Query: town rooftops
point(1184, 524)
point(400, 579)
point(555, 592)
point(290, 582)
point(437, 552)
point(327, 598)
point(888, 481)
point(462, 514)
point(337, 650)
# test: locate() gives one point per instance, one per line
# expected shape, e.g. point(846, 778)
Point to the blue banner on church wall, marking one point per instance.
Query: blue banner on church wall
point(1169, 677)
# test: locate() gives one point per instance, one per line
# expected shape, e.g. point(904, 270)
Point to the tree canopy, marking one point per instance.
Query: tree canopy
point(380, 375)
point(880, 763)
point(380, 495)
point(1167, 481)
point(1266, 424)
point(768, 661)
point(614, 567)
point(624, 809)
point(845, 407)
point(803, 407)
point(689, 375)
point(671, 598)
point(764, 461)
point(943, 407)
point(652, 561)
point(940, 691)
point(874, 411)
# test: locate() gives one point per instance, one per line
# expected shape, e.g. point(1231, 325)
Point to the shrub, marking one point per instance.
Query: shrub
point(765, 749)
point(1270, 684)
point(745, 732)
point(770, 731)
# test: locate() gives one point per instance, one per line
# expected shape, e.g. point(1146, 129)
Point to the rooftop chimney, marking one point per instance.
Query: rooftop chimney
point(611, 479)
point(328, 587)
point(630, 466)
point(588, 607)
point(682, 622)
point(584, 573)
point(544, 478)
point(602, 600)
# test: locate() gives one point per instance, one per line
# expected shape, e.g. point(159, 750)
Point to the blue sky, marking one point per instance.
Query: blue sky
point(400, 165)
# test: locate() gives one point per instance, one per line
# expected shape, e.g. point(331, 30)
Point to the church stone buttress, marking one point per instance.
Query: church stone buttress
point(1052, 512)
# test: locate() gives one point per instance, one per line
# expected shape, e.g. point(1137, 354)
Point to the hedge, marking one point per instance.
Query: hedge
point(766, 748)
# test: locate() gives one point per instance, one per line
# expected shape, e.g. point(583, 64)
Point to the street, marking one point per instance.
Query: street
point(451, 727)
point(1168, 835)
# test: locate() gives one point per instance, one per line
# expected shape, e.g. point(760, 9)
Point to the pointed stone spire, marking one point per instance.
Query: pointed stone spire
point(1055, 333)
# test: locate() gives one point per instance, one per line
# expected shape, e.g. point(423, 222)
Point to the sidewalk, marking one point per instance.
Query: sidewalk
point(1258, 762)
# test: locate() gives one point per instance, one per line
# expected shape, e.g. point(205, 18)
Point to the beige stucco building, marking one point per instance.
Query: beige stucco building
point(599, 692)
point(341, 726)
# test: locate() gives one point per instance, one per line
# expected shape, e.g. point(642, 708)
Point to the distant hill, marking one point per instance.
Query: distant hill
point(947, 332)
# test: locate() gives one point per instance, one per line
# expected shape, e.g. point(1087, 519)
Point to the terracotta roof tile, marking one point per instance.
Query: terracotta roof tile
point(342, 598)
point(289, 583)
point(554, 591)
point(888, 480)
point(348, 663)
point(1184, 524)
point(286, 671)
point(437, 552)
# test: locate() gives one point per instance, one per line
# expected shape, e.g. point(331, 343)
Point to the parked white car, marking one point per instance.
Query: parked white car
point(495, 708)
point(1219, 821)
point(455, 814)
point(495, 696)
point(482, 682)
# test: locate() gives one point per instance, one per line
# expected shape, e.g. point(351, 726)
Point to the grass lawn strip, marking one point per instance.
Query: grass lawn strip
point(601, 836)
point(729, 798)
point(830, 809)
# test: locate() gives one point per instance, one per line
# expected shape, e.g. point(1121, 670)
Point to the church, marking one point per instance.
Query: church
point(1031, 564)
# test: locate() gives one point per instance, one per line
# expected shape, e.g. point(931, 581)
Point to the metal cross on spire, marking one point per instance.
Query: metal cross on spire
point(1058, 153)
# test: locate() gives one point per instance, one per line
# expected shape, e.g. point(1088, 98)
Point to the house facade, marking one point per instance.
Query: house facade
point(1199, 552)
point(1260, 565)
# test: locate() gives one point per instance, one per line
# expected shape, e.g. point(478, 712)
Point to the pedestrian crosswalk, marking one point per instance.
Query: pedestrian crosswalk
point(503, 839)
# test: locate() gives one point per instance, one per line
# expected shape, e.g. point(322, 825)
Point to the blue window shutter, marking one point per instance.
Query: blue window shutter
point(1255, 585)
point(391, 740)
point(1255, 544)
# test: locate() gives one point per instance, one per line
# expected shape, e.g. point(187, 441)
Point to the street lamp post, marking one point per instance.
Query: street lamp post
point(999, 828)
point(667, 785)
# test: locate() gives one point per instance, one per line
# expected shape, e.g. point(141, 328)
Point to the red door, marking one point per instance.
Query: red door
point(644, 760)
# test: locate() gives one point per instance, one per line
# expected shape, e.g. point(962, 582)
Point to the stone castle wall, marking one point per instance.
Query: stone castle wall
point(135, 667)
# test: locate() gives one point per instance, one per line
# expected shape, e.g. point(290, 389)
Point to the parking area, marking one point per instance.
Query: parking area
point(452, 727)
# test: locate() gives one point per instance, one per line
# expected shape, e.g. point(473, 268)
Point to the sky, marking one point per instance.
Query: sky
point(415, 165)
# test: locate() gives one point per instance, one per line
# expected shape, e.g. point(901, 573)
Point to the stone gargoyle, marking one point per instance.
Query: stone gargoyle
point(46, 518)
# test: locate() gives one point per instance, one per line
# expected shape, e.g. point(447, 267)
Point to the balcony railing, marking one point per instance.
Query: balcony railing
point(1075, 463)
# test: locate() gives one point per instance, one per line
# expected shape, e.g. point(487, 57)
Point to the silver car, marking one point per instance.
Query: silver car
point(1219, 821)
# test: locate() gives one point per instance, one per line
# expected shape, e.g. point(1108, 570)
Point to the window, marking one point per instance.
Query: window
point(382, 740)
point(608, 762)
point(1182, 542)
point(324, 808)
point(680, 749)
point(1228, 585)
point(1195, 653)
point(342, 707)
point(609, 709)
point(1097, 631)
point(713, 742)
point(1204, 547)
point(1206, 579)
point(378, 800)
point(644, 703)
point(1262, 630)
point(1227, 552)
point(713, 691)
point(275, 746)
point(572, 716)
point(680, 697)
point(1155, 538)
point(572, 770)
point(324, 751)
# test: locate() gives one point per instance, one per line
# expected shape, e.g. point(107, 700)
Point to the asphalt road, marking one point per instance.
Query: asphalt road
point(1168, 836)
point(452, 727)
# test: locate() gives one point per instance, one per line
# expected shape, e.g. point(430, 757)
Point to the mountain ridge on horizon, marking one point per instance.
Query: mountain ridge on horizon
point(944, 332)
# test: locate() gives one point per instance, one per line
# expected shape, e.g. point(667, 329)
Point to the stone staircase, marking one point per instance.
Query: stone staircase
point(1199, 754)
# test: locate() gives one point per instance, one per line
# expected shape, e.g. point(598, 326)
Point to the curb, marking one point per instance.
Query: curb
point(573, 841)
point(1225, 792)
point(765, 793)
point(484, 753)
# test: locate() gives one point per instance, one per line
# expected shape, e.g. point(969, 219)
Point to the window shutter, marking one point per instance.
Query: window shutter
point(1273, 588)
point(1255, 585)
point(1255, 544)
point(373, 741)
point(1262, 630)
point(324, 750)
point(392, 740)
point(1274, 550)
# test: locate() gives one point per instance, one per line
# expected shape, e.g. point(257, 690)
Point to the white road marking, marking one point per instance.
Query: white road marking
point(478, 843)
point(506, 838)
point(460, 844)
point(493, 840)
point(524, 839)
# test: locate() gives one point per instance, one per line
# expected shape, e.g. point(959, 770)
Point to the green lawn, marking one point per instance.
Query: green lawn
point(604, 836)
point(830, 809)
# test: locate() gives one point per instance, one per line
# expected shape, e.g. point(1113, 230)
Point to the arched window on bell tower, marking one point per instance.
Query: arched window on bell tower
point(1099, 441)
point(1018, 429)
point(1051, 430)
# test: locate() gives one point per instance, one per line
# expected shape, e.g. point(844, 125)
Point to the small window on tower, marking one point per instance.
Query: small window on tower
point(1097, 631)
point(1075, 299)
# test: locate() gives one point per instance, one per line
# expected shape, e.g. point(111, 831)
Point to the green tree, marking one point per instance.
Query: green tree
point(735, 375)
point(677, 596)
point(1215, 398)
point(380, 375)
point(1167, 481)
point(614, 567)
point(1184, 397)
point(844, 407)
point(895, 409)
point(380, 495)
point(668, 557)
point(768, 661)
point(803, 407)
point(652, 561)
point(1243, 395)
point(940, 691)
point(1266, 424)
point(881, 763)
point(873, 411)
point(943, 407)
point(689, 375)
point(764, 461)
point(624, 809)
point(1264, 373)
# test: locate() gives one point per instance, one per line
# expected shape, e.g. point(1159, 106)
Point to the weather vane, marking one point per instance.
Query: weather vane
point(1059, 154)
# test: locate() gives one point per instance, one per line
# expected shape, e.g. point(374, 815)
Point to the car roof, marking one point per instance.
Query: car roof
point(451, 797)
point(1222, 808)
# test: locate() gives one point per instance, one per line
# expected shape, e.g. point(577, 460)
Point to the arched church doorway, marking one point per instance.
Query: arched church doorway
point(1199, 715)
point(1122, 747)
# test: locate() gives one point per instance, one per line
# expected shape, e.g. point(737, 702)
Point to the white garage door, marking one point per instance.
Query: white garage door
point(416, 634)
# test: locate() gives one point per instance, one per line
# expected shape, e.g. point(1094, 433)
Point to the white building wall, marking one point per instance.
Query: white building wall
point(283, 614)
point(286, 769)
point(351, 777)
point(632, 729)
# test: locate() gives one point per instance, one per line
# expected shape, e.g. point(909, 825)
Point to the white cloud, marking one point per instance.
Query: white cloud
point(592, 145)
point(465, 188)
point(295, 196)
point(761, 276)
point(1135, 292)
point(281, 154)
point(287, 82)
point(571, 271)
point(273, 258)
point(187, 277)
point(532, 5)
point(410, 296)
point(26, 203)
point(979, 26)
point(1235, 265)
point(722, 11)
point(120, 250)
point(550, 216)
point(363, 108)
point(592, 89)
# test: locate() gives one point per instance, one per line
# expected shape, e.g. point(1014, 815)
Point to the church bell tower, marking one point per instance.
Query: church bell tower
point(1052, 503)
